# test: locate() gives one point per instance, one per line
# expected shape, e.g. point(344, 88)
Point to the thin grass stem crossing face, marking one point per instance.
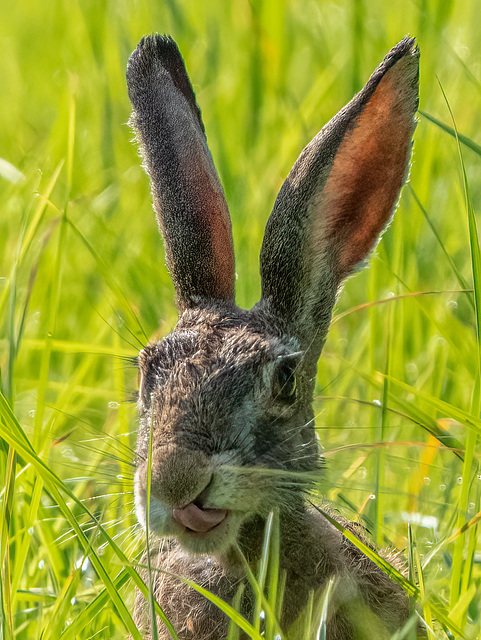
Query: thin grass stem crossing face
point(228, 393)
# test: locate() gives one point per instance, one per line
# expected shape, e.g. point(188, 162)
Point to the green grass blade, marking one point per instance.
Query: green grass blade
point(445, 408)
point(226, 608)
point(459, 276)
point(95, 606)
point(153, 617)
point(33, 227)
point(263, 565)
point(13, 434)
point(378, 560)
point(452, 132)
point(471, 439)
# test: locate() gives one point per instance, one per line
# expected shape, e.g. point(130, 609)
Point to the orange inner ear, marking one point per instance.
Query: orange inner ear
point(368, 170)
point(214, 217)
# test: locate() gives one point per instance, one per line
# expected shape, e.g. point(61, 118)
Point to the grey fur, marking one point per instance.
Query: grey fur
point(227, 395)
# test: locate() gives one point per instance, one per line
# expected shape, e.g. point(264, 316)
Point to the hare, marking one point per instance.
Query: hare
point(225, 400)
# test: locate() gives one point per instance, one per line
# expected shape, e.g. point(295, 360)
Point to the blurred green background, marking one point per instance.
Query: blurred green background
point(83, 285)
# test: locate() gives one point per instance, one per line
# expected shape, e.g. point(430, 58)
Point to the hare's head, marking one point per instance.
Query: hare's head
point(225, 399)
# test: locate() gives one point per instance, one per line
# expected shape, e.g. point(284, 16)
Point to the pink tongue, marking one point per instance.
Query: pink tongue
point(195, 519)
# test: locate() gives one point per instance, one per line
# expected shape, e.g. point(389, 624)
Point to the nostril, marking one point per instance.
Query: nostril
point(179, 475)
point(203, 498)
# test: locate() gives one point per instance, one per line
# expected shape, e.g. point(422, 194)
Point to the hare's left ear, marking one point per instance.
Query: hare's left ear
point(188, 199)
point(338, 198)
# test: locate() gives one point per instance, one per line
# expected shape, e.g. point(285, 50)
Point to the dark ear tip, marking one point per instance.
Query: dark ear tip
point(404, 57)
point(407, 49)
point(405, 52)
point(162, 47)
point(151, 51)
point(405, 46)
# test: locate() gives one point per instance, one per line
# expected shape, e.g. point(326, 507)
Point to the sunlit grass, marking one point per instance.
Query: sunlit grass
point(83, 286)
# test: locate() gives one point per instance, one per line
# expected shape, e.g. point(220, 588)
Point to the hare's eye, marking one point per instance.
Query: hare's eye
point(285, 383)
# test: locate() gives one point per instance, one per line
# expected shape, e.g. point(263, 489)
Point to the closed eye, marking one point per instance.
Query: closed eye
point(285, 383)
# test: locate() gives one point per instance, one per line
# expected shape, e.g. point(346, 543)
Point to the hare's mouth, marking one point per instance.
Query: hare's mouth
point(214, 533)
point(215, 539)
point(202, 529)
point(197, 519)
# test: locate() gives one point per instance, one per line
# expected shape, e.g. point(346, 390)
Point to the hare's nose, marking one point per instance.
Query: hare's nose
point(198, 519)
point(178, 475)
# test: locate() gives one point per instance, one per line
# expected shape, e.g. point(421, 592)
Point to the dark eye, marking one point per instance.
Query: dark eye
point(285, 382)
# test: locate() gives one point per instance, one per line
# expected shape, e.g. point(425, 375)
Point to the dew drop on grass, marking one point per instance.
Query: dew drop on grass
point(30, 531)
point(372, 496)
point(262, 615)
point(82, 564)
point(378, 402)
point(41, 564)
point(427, 480)
point(32, 413)
point(113, 405)
point(442, 487)
point(277, 637)
point(460, 480)
point(451, 304)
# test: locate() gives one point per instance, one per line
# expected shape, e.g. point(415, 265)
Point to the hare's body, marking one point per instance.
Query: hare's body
point(311, 552)
point(225, 400)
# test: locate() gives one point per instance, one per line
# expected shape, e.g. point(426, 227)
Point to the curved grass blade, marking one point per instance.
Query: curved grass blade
point(448, 410)
point(378, 560)
point(13, 433)
point(93, 608)
point(452, 132)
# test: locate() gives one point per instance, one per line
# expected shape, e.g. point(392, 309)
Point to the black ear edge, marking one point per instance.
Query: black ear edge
point(347, 116)
point(159, 50)
point(406, 47)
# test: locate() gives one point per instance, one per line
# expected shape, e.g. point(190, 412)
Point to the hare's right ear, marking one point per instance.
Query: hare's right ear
point(188, 199)
point(337, 200)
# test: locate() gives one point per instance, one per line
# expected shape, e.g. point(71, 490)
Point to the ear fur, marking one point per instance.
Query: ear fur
point(338, 198)
point(188, 198)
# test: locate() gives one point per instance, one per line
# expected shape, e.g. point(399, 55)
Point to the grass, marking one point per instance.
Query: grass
point(83, 286)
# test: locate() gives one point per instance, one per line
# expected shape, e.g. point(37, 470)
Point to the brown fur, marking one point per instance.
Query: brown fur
point(361, 587)
point(226, 398)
